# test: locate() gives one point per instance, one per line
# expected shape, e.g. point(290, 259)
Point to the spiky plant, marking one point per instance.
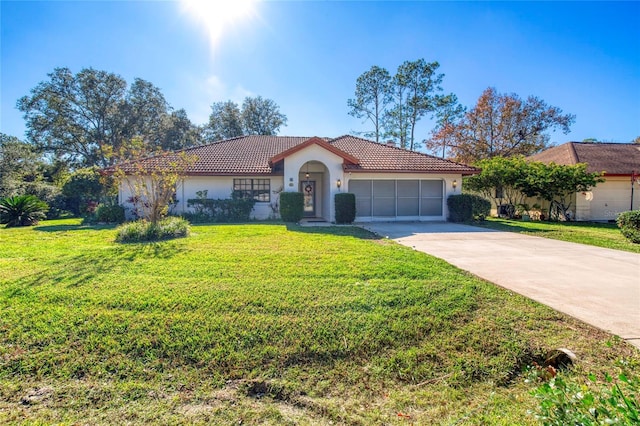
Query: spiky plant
point(22, 210)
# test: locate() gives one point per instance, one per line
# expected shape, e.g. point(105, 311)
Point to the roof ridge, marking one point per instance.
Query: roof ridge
point(574, 153)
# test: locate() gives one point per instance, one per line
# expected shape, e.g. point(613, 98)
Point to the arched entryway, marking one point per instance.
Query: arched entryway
point(314, 183)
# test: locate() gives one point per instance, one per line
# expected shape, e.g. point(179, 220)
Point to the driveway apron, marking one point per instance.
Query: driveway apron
point(596, 285)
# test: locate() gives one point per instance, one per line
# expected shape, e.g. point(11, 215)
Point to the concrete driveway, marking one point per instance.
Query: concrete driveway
point(598, 286)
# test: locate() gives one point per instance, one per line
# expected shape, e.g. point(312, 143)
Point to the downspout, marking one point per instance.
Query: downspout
point(633, 180)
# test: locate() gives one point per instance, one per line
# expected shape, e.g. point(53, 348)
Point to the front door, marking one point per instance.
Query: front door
point(308, 188)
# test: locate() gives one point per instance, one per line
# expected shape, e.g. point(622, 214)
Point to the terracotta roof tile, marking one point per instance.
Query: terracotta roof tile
point(380, 157)
point(612, 158)
point(250, 155)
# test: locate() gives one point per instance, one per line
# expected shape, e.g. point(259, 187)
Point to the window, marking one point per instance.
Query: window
point(257, 189)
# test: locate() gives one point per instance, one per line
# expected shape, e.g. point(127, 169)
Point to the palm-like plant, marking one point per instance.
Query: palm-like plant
point(22, 210)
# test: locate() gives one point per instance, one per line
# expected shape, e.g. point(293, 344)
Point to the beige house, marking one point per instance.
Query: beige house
point(620, 163)
point(390, 184)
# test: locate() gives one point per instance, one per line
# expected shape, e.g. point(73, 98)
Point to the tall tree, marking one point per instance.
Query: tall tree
point(83, 118)
point(396, 118)
point(261, 116)
point(416, 88)
point(224, 122)
point(19, 165)
point(503, 125)
point(258, 116)
point(177, 132)
point(371, 99)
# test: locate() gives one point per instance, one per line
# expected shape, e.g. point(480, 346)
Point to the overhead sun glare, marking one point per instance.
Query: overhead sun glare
point(217, 16)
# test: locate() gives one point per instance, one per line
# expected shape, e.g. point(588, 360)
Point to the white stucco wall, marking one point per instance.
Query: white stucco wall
point(218, 187)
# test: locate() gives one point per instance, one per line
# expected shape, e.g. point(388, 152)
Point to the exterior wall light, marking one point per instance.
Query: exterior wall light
point(454, 184)
point(339, 184)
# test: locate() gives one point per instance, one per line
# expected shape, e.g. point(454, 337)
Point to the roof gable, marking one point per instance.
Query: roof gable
point(314, 141)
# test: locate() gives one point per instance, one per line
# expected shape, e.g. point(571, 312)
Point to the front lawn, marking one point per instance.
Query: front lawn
point(264, 324)
point(606, 235)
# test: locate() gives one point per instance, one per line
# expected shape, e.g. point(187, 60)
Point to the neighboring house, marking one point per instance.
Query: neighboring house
point(620, 163)
point(389, 183)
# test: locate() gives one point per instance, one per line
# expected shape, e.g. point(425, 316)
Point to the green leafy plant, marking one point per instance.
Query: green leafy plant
point(109, 213)
point(467, 207)
point(563, 401)
point(345, 207)
point(629, 224)
point(145, 231)
point(234, 210)
point(291, 206)
point(22, 210)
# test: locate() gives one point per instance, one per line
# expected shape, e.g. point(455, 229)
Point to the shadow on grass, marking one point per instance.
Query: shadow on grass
point(61, 228)
point(511, 227)
point(93, 266)
point(341, 231)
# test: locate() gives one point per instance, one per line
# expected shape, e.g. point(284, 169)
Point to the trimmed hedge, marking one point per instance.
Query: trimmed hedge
point(629, 224)
point(291, 206)
point(467, 207)
point(220, 211)
point(345, 207)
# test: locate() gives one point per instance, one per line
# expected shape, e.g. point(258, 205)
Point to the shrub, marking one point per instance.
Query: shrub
point(466, 207)
point(565, 402)
point(22, 210)
point(109, 213)
point(82, 187)
point(629, 224)
point(226, 211)
point(345, 207)
point(291, 206)
point(144, 231)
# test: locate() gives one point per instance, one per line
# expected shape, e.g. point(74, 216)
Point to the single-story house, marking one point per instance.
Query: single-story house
point(389, 183)
point(620, 163)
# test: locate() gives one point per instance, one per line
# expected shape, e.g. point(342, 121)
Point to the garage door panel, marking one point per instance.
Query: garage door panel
point(408, 206)
point(388, 198)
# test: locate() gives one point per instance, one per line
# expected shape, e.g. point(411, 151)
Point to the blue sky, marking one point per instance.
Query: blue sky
point(583, 57)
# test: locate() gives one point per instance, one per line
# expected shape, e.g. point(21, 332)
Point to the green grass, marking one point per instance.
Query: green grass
point(605, 235)
point(264, 324)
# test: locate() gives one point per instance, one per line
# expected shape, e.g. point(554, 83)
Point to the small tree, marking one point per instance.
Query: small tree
point(557, 184)
point(153, 181)
point(501, 180)
point(508, 181)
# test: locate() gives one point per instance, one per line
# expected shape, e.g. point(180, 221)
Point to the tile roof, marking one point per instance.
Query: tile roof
point(611, 158)
point(253, 155)
point(378, 157)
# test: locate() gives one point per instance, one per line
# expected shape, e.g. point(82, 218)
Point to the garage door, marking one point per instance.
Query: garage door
point(389, 199)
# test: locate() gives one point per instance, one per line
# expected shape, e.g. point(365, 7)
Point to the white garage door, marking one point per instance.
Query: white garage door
point(402, 199)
